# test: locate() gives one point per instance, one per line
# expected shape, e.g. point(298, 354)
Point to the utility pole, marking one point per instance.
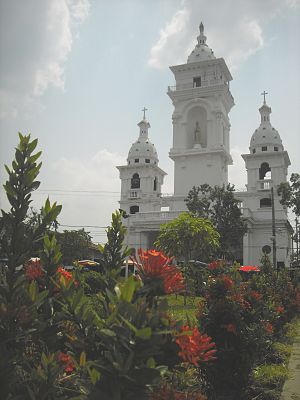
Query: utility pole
point(274, 231)
point(297, 242)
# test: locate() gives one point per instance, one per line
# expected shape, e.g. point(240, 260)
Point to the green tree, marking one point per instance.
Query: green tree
point(290, 193)
point(187, 237)
point(220, 206)
point(74, 245)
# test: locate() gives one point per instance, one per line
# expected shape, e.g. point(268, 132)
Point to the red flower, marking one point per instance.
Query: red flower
point(231, 328)
point(268, 327)
point(215, 264)
point(256, 295)
point(280, 309)
point(227, 281)
point(65, 277)
point(194, 347)
point(155, 265)
point(67, 360)
point(34, 269)
point(242, 301)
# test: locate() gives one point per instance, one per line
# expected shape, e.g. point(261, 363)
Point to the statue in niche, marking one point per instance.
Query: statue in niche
point(197, 136)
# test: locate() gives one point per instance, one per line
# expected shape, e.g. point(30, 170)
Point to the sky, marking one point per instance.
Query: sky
point(77, 73)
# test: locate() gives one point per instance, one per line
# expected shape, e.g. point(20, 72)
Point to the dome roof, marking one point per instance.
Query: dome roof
point(265, 134)
point(142, 149)
point(201, 51)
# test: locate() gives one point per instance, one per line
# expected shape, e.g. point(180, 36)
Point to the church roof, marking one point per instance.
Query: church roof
point(201, 51)
point(142, 149)
point(265, 134)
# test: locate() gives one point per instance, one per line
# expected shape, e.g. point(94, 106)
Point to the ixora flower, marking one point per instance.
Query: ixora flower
point(280, 310)
point(268, 327)
point(67, 361)
point(64, 276)
point(154, 265)
point(33, 269)
point(256, 295)
point(216, 264)
point(195, 347)
point(228, 282)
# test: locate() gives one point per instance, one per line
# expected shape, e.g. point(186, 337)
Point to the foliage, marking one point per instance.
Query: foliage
point(220, 206)
point(188, 237)
point(74, 245)
point(244, 319)
point(290, 193)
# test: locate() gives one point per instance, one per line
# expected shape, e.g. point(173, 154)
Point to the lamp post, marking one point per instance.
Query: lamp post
point(126, 216)
point(273, 237)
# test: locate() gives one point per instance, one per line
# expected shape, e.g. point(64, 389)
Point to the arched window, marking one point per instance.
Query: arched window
point(266, 202)
point(135, 181)
point(155, 184)
point(264, 168)
point(134, 209)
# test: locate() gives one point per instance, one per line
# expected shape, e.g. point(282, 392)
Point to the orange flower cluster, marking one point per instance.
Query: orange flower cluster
point(268, 327)
point(194, 347)
point(155, 265)
point(239, 298)
point(65, 277)
point(228, 282)
point(33, 269)
point(280, 310)
point(256, 295)
point(216, 264)
point(67, 360)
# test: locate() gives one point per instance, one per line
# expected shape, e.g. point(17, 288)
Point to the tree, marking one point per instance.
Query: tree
point(74, 245)
point(187, 237)
point(220, 206)
point(290, 193)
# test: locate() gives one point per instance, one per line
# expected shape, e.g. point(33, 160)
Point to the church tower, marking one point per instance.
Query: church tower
point(267, 166)
point(141, 178)
point(202, 101)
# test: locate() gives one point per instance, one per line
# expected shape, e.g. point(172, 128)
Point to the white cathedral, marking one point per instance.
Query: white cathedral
point(201, 153)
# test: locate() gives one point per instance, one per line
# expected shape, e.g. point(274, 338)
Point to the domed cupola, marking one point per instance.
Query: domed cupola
point(201, 51)
point(143, 151)
point(265, 137)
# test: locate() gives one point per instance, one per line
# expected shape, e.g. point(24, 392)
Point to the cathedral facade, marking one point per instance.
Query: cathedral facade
point(201, 153)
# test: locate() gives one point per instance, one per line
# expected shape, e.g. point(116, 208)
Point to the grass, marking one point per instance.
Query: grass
point(180, 311)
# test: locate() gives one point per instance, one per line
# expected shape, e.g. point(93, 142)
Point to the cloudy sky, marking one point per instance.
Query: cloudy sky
point(76, 74)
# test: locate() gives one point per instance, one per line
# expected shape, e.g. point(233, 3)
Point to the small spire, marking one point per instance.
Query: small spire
point(264, 94)
point(201, 28)
point(144, 111)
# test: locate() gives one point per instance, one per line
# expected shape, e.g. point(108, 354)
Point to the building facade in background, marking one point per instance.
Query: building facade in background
point(201, 153)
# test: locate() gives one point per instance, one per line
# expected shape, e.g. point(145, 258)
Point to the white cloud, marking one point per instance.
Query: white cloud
point(237, 172)
point(234, 30)
point(98, 175)
point(34, 48)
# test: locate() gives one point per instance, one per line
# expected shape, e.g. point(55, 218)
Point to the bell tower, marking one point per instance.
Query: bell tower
point(267, 166)
point(202, 102)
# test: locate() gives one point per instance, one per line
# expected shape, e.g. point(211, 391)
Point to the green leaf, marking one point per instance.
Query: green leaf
point(33, 290)
point(151, 363)
point(94, 375)
point(144, 333)
point(82, 359)
point(108, 332)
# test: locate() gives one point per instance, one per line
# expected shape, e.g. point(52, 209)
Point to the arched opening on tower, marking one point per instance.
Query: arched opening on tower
point(134, 209)
point(155, 184)
point(196, 128)
point(265, 171)
point(135, 181)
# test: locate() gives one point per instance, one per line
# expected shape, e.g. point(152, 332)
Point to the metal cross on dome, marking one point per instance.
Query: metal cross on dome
point(144, 110)
point(264, 94)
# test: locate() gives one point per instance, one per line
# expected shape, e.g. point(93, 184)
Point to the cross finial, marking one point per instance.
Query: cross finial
point(144, 110)
point(264, 94)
